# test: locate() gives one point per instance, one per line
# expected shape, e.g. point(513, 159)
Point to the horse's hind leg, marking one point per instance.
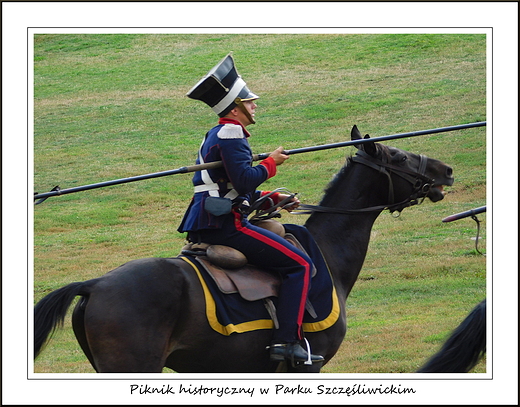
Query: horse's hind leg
point(78, 325)
point(129, 357)
point(123, 340)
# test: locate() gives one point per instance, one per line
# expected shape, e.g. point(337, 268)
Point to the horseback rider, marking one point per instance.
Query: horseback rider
point(217, 213)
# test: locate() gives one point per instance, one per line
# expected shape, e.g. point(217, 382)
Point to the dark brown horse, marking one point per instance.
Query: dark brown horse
point(465, 346)
point(150, 313)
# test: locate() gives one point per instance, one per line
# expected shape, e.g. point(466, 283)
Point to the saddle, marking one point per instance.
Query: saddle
point(232, 274)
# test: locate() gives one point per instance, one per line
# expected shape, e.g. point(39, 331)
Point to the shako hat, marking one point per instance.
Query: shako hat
point(222, 88)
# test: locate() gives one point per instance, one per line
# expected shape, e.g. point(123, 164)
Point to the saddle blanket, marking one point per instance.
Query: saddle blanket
point(230, 313)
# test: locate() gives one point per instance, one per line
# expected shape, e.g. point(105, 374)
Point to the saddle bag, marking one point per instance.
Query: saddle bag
point(218, 206)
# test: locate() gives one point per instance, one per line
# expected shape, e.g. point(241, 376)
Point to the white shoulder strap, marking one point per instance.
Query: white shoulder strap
point(209, 185)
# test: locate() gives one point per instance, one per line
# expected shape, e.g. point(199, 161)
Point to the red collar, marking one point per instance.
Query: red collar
point(227, 120)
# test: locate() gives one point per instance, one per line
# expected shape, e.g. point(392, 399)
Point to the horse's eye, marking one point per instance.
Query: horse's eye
point(404, 158)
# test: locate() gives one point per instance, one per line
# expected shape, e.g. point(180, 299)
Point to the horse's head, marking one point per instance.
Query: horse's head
point(413, 175)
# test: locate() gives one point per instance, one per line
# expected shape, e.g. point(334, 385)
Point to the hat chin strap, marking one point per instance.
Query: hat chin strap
point(241, 106)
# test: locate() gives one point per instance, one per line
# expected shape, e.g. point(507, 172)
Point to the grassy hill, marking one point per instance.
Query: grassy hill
point(114, 106)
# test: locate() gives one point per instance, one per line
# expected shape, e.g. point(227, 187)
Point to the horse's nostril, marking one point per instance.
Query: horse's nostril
point(449, 172)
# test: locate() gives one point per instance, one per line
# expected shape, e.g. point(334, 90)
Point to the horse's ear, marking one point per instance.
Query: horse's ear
point(355, 134)
point(370, 148)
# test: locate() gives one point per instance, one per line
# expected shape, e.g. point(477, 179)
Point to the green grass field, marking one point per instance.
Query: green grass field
point(114, 106)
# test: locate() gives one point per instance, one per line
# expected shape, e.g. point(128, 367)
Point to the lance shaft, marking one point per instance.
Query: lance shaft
point(183, 170)
point(465, 214)
point(216, 164)
point(378, 139)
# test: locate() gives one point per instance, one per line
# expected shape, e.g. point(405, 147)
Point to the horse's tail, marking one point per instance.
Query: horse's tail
point(50, 312)
point(464, 348)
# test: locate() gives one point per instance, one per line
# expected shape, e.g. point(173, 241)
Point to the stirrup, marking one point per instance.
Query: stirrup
point(294, 353)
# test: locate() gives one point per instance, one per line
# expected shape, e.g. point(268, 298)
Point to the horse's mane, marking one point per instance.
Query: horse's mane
point(337, 178)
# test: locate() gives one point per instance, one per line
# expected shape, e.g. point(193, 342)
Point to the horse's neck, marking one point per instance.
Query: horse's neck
point(344, 238)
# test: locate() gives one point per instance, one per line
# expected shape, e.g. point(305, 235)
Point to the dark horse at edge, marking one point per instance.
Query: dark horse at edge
point(150, 313)
point(465, 346)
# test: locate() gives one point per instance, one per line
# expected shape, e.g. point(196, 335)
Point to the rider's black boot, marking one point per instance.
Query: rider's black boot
point(292, 352)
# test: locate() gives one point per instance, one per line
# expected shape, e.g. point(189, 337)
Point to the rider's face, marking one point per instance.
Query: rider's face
point(243, 118)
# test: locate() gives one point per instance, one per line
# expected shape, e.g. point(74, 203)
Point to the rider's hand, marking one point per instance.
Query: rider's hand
point(292, 204)
point(278, 156)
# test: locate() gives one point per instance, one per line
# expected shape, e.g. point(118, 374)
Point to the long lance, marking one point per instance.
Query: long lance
point(57, 191)
point(462, 215)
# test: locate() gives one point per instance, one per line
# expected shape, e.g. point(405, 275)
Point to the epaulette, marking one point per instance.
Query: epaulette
point(229, 131)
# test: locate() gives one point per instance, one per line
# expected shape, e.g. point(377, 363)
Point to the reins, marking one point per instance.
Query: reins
point(418, 179)
point(478, 234)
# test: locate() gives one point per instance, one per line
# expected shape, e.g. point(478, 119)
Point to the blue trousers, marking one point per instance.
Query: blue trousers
point(270, 251)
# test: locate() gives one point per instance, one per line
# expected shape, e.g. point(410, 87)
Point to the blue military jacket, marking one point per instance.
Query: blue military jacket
point(226, 142)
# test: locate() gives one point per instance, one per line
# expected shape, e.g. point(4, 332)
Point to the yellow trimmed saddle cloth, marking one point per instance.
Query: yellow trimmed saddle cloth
point(234, 289)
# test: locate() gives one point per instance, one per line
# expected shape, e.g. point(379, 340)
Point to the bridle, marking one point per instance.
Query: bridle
point(421, 186)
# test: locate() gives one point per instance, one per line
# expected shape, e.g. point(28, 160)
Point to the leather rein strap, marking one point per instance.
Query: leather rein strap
point(418, 179)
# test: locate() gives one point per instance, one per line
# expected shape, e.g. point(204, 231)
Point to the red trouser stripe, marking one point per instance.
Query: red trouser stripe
point(288, 253)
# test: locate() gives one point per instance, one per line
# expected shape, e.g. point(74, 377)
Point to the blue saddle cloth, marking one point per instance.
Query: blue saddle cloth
point(230, 313)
